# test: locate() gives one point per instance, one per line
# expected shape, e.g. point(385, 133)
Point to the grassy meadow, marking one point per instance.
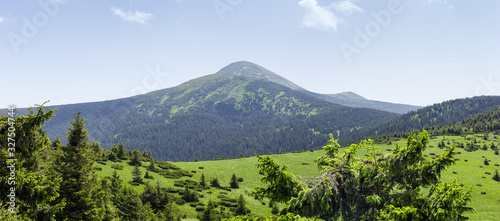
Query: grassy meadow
point(469, 169)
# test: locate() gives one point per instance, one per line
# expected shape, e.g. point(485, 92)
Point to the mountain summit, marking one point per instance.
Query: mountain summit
point(350, 99)
point(249, 69)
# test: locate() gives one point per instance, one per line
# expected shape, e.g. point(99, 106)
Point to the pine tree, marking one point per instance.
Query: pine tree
point(137, 175)
point(496, 177)
point(36, 187)
point(147, 176)
point(215, 182)
point(196, 159)
point(281, 151)
point(241, 209)
point(486, 161)
point(209, 214)
point(130, 206)
point(80, 187)
point(121, 153)
point(152, 166)
point(234, 182)
point(135, 161)
point(203, 183)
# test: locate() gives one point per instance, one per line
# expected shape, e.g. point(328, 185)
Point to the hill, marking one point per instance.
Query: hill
point(217, 116)
point(440, 114)
point(351, 99)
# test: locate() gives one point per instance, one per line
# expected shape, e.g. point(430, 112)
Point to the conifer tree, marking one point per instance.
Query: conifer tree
point(496, 177)
point(203, 183)
point(137, 175)
point(80, 187)
point(152, 166)
point(241, 209)
point(234, 182)
point(22, 138)
point(135, 161)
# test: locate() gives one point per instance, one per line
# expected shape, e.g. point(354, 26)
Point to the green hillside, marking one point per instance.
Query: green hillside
point(469, 170)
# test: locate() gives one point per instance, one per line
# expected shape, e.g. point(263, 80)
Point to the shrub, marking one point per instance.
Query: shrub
point(484, 193)
point(117, 166)
point(240, 179)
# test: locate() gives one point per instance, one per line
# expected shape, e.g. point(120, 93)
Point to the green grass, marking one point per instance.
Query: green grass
point(304, 167)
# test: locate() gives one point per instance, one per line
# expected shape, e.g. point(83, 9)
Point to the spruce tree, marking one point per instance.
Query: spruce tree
point(135, 161)
point(137, 175)
point(80, 187)
point(152, 166)
point(496, 177)
point(203, 183)
point(234, 182)
point(241, 209)
point(35, 186)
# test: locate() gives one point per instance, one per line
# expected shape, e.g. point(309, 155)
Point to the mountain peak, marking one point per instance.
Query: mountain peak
point(249, 69)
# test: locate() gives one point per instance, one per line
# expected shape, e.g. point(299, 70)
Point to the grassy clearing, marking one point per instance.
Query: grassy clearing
point(470, 173)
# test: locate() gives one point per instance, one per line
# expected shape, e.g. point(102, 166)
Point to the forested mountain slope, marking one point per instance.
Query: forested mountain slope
point(217, 116)
point(438, 114)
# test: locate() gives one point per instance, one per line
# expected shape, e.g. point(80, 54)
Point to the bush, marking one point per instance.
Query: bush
point(240, 179)
point(200, 209)
point(117, 166)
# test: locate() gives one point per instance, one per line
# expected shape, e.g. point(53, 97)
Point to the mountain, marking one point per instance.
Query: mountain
point(217, 116)
point(351, 99)
point(440, 114)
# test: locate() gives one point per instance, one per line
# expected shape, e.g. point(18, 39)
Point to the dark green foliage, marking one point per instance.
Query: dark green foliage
point(34, 185)
point(152, 166)
point(441, 116)
point(157, 197)
point(282, 186)
point(117, 166)
point(147, 176)
point(383, 187)
point(210, 214)
point(189, 195)
point(74, 163)
point(281, 151)
point(486, 162)
point(215, 182)
point(137, 175)
point(275, 209)
point(241, 209)
point(234, 182)
point(130, 206)
point(135, 160)
point(203, 183)
point(496, 177)
point(171, 213)
point(196, 159)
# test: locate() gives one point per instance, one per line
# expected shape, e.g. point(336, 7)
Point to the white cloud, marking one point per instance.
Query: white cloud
point(1, 19)
point(137, 16)
point(346, 7)
point(453, 64)
point(318, 17)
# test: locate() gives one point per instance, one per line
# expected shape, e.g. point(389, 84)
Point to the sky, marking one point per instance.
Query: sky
point(416, 52)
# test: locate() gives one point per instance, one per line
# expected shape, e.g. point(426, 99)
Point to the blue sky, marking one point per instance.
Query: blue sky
point(414, 51)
